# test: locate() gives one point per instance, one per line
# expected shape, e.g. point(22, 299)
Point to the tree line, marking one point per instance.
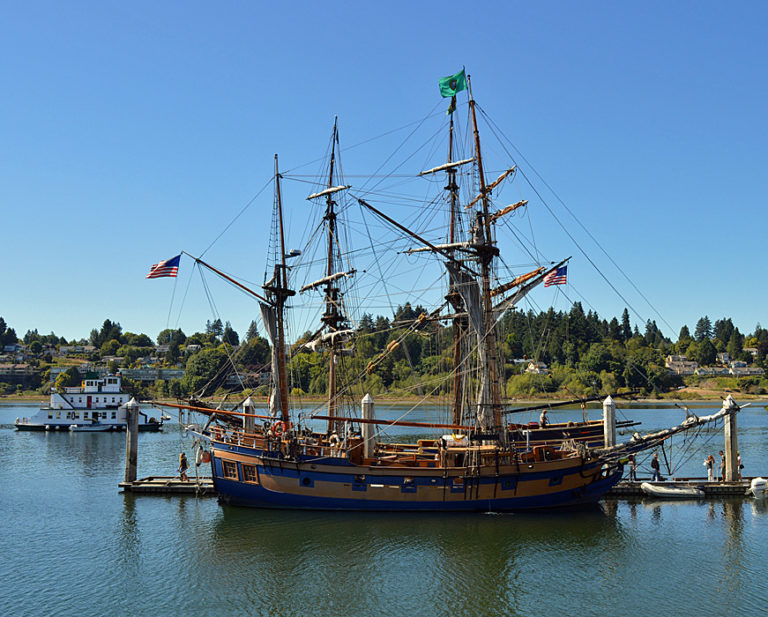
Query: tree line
point(584, 354)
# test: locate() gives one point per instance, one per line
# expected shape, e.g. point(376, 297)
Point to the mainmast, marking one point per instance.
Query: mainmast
point(489, 397)
point(459, 322)
point(332, 316)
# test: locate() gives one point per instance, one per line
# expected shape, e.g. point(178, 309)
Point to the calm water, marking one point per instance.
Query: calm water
point(74, 545)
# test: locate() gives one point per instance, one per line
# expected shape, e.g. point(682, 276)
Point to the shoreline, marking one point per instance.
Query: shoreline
point(702, 399)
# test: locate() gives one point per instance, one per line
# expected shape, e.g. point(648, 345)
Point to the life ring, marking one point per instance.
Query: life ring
point(334, 440)
point(279, 428)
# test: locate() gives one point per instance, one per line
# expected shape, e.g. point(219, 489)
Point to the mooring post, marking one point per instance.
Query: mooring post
point(131, 439)
point(368, 443)
point(609, 422)
point(731, 440)
point(249, 422)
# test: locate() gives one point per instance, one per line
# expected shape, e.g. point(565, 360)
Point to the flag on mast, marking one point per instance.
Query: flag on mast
point(556, 277)
point(452, 84)
point(169, 267)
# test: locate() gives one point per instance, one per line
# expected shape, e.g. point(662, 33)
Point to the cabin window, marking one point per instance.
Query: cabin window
point(249, 473)
point(97, 399)
point(230, 470)
point(50, 415)
point(113, 399)
point(80, 399)
point(85, 415)
point(58, 415)
point(114, 415)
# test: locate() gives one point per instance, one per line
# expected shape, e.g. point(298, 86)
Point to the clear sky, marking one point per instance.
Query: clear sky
point(132, 130)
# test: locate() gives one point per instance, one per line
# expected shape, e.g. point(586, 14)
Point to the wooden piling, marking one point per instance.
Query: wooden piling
point(731, 441)
point(131, 439)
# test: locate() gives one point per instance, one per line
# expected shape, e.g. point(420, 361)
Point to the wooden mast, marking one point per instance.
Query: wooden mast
point(486, 252)
point(281, 292)
point(332, 318)
point(459, 323)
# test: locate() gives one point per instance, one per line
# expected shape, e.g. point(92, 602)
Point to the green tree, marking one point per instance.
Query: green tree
point(703, 329)
point(230, 336)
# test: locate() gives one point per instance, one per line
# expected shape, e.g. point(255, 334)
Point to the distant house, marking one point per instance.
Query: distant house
point(713, 371)
point(680, 365)
point(746, 371)
point(738, 364)
point(751, 350)
point(723, 358)
point(162, 348)
point(192, 348)
point(537, 368)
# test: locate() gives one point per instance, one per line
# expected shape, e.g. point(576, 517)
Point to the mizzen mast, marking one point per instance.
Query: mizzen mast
point(274, 315)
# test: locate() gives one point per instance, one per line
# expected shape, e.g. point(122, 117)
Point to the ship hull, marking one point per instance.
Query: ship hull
point(328, 484)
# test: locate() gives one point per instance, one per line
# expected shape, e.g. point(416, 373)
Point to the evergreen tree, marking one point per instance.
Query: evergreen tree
point(253, 332)
point(685, 334)
point(626, 329)
point(703, 329)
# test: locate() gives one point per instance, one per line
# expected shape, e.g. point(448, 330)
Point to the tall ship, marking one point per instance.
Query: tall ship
point(97, 404)
point(333, 456)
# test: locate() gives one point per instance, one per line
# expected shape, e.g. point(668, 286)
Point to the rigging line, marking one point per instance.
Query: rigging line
point(239, 214)
point(215, 313)
point(183, 299)
point(402, 143)
point(370, 139)
point(170, 306)
point(522, 156)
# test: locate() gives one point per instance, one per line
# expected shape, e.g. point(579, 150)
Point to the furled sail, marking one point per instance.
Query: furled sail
point(469, 290)
point(269, 317)
point(329, 191)
point(327, 279)
point(491, 186)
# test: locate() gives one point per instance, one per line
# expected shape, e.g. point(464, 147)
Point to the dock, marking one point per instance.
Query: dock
point(712, 490)
point(170, 485)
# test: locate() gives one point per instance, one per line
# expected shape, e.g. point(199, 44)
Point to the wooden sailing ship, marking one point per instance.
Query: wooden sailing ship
point(279, 458)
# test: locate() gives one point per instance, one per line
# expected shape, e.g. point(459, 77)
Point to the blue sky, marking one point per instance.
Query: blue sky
point(133, 130)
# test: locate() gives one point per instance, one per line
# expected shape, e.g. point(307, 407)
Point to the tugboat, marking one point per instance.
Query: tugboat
point(97, 404)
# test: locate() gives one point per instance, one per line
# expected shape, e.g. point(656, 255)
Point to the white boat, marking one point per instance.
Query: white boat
point(94, 427)
point(97, 400)
point(758, 488)
point(671, 491)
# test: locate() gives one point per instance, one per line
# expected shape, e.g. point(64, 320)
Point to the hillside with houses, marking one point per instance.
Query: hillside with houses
point(547, 354)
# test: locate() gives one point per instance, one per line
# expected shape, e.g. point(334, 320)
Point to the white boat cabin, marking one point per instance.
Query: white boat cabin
point(93, 393)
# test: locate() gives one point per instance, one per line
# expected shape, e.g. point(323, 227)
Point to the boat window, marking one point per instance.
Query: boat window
point(58, 415)
point(80, 399)
point(113, 399)
point(230, 470)
point(85, 415)
point(249, 473)
point(114, 415)
point(50, 415)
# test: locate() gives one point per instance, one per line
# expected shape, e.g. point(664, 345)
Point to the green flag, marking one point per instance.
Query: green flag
point(452, 106)
point(449, 86)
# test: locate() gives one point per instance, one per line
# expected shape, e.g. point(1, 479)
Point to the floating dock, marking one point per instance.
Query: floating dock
point(714, 490)
point(171, 485)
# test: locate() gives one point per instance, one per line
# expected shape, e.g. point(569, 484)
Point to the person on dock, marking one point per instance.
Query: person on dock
point(183, 466)
point(709, 463)
point(656, 468)
point(722, 467)
point(543, 420)
point(632, 468)
point(739, 464)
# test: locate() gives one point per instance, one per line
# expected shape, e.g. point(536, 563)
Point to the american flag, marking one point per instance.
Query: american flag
point(556, 277)
point(169, 267)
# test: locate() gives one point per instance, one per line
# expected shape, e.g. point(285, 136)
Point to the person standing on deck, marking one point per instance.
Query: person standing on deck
point(632, 468)
point(709, 463)
point(183, 466)
point(656, 468)
point(543, 420)
point(722, 466)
